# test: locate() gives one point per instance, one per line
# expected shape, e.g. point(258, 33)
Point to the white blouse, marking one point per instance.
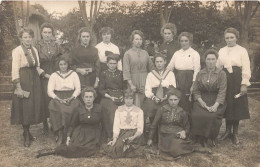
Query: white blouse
point(103, 47)
point(19, 60)
point(235, 56)
point(154, 82)
point(121, 122)
point(185, 60)
point(64, 82)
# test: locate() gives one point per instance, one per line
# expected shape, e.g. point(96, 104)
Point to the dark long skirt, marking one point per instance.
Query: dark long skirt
point(110, 106)
point(134, 149)
point(171, 144)
point(184, 82)
point(28, 111)
point(84, 142)
point(60, 114)
point(237, 109)
point(205, 123)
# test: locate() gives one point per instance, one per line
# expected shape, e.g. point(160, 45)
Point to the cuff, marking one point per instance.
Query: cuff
point(15, 81)
point(245, 82)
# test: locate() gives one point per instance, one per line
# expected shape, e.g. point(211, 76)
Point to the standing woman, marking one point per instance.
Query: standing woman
point(27, 106)
point(186, 64)
point(85, 60)
point(137, 64)
point(234, 58)
point(111, 89)
point(169, 46)
point(210, 92)
point(63, 88)
point(48, 51)
point(107, 45)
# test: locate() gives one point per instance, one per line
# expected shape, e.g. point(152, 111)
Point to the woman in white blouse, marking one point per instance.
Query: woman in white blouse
point(186, 64)
point(156, 86)
point(235, 61)
point(107, 45)
point(27, 106)
point(63, 88)
point(127, 129)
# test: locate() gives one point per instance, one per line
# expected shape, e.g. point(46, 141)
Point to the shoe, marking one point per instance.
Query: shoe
point(26, 139)
point(235, 139)
point(227, 133)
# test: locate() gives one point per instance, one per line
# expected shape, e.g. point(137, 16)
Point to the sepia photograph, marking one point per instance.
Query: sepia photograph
point(120, 83)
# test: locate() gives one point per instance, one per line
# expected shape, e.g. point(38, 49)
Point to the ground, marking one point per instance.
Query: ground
point(13, 154)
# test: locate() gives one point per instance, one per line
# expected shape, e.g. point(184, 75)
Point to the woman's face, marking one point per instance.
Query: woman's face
point(167, 35)
point(173, 100)
point(160, 63)
point(211, 61)
point(106, 37)
point(26, 39)
point(88, 98)
point(112, 64)
point(63, 65)
point(230, 39)
point(46, 34)
point(85, 38)
point(185, 42)
point(137, 41)
point(129, 101)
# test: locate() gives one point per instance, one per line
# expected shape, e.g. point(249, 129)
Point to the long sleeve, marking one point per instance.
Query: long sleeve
point(155, 123)
point(74, 122)
point(39, 70)
point(185, 122)
point(150, 64)
point(16, 64)
point(196, 65)
point(97, 66)
point(148, 87)
point(196, 90)
point(246, 72)
point(76, 82)
point(51, 86)
point(116, 126)
point(172, 79)
point(126, 67)
point(140, 123)
point(101, 87)
point(171, 64)
point(222, 88)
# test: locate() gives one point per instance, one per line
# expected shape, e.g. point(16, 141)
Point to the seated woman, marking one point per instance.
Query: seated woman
point(173, 126)
point(111, 89)
point(157, 83)
point(209, 92)
point(63, 88)
point(83, 135)
point(127, 130)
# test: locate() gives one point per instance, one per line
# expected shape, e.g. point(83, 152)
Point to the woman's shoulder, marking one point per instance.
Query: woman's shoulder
point(18, 49)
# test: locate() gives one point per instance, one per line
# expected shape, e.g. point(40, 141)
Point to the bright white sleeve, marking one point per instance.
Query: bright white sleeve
point(140, 123)
point(196, 65)
point(39, 70)
point(148, 87)
point(172, 79)
point(76, 84)
point(246, 72)
point(116, 126)
point(51, 86)
point(171, 64)
point(16, 64)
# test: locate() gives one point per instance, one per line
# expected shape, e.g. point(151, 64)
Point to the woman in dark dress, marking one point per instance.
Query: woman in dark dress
point(85, 60)
point(169, 45)
point(235, 61)
point(48, 51)
point(27, 106)
point(111, 89)
point(173, 125)
point(127, 130)
point(83, 137)
point(209, 93)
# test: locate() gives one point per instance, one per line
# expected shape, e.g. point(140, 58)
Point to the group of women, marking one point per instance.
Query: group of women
point(170, 97)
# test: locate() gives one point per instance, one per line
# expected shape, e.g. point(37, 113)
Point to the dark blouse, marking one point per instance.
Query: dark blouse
point(85, 57)
point(84, 117)
point(170, 120)
point(111, 83)
point(170, 48)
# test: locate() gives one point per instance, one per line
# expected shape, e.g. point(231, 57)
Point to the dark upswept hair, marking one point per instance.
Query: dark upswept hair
point(169, 26)
point(47, 25)
point(188, 35)
point(26, 30)
point(173, 91)
point(88, 89)
point(65, 57)
point(106, 30)
point(210, 51)
point(129, 93)
point(159, 54)
point(233, 31)
point(139, 32)
point(84, 29)
point(112, 56)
